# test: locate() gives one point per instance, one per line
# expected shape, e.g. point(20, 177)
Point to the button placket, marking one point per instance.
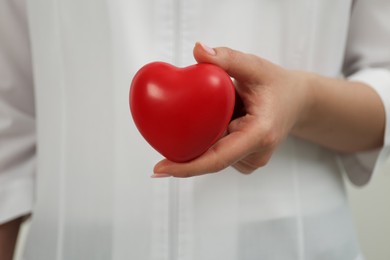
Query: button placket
point(186, 20)
point(161, 237)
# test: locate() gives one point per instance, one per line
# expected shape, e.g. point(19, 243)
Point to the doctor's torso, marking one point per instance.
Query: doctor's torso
point(95, 199)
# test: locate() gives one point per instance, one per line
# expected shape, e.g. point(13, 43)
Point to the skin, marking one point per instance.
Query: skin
point(279, 102)
point(8, 236)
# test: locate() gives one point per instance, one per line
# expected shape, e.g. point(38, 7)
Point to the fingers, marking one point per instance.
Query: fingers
point(243, 168)
point(253, 161)
point(241, 66)
point(246, 165)
point(224, 153)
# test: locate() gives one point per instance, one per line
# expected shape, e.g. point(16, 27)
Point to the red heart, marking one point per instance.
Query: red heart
point(181, 112)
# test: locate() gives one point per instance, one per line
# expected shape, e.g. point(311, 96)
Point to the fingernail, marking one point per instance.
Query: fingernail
point(207, 49)
point(160, 175)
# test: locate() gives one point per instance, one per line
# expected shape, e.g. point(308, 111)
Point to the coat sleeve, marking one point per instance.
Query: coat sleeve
point(17, 119)
point(368, 60)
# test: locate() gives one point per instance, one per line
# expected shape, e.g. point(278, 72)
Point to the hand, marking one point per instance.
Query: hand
point(339, 114)
point(274, 99)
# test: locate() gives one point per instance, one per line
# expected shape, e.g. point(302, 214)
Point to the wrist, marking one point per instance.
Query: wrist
point(305, 87)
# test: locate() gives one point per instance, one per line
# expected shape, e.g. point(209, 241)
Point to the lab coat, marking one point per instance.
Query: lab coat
point(65, 71)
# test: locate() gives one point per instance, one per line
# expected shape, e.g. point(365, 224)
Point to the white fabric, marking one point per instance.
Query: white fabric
point(361, 167)
point(17, 119)
point(367, 59)
point(95, 199)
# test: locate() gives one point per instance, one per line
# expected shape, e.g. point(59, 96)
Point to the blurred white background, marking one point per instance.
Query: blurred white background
point(370, 206)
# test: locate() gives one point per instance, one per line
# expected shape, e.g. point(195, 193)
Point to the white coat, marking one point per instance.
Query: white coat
point(93, 196)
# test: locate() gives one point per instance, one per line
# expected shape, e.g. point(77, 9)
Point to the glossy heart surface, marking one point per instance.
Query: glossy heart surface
point(181, 112)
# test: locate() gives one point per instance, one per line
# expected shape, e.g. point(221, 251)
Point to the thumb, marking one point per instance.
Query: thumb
point(241, 66)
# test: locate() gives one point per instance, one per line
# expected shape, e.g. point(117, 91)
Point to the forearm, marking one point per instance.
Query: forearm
point(341, 115)
point(8, 236)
